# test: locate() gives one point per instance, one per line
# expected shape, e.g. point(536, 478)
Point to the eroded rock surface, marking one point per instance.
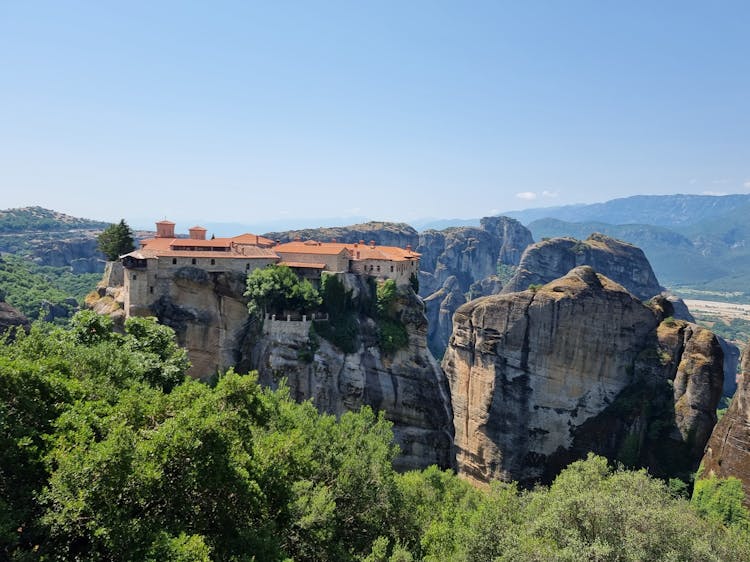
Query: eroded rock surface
point(408, 384)
point(728, 450)
point(540, 377)
point(621, 262)
point(464, 260)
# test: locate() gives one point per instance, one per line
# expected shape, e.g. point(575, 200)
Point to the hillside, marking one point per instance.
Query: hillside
point(28, 219)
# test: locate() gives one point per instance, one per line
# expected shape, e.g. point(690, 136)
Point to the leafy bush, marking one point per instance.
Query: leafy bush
point(277, 289)
point(721, 499)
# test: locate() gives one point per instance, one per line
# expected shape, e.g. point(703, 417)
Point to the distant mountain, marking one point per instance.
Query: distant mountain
point(660, 210)
point(39, 219)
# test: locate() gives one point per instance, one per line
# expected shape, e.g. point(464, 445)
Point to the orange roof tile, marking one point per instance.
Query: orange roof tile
point(248, 238)
point(251, 253)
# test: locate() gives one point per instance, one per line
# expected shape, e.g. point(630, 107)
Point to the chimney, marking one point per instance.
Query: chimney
point(361, 242)
point(372, 243)
point(165, 229)
point(197, 233)
point(408, 247)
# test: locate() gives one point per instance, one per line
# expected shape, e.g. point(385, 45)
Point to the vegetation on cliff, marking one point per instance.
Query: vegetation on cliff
point(116, 240)
point(276, 289)
point(106, 453)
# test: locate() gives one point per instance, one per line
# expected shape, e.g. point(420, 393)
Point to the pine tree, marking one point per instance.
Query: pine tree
point(117, 239)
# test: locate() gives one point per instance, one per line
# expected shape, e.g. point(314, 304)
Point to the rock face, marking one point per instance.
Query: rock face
point(728, 450)
point(621, 262)
point(11, 318)
point(408, 384)
point(208, 312)
point(384, 233)
point(464, 260)
point(540, 377)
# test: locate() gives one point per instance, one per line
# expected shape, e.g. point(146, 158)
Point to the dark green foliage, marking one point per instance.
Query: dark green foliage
point(276, 289)
point(392, 334)
point(116, 240)
point(40, 219)
point(341, 328)
point(414, 282)
point(720, 499)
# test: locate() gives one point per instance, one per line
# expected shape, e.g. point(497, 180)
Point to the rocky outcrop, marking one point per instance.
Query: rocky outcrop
point(514, 238)
point(540, 377)
point(465, 260)
point(728, 450)
point(383, 233)
point(11, 319)
point(208, 312)
point(619, 261)
point(407, 384)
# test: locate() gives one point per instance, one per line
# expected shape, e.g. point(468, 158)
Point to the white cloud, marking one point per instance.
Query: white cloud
point(527, 195)
point(719, 182)
point(549, 194)
point(713, 193)
point(747, 184)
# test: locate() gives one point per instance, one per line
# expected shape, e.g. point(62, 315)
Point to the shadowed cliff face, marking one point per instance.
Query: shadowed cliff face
point(538, 378)
point(728, 449)
point(408, 384)
point(464, 260)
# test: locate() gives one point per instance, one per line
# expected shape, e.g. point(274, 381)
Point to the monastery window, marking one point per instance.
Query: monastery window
point(134, 277)
point(247, 267)
point(174, 261)
point(193, 260)
point(391, 269)
point(378, 268)
point(151, 290)
point(213, 261)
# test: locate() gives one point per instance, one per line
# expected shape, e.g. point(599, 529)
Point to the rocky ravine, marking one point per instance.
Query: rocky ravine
point(540, 377)
point(408, 385)
point(728, 450)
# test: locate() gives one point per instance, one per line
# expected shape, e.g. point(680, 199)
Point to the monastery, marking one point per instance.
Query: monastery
point(149, 269)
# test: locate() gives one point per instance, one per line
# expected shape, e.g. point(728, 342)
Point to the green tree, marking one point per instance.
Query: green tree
point(277, 289)
point(720, 499)
point(116, 240)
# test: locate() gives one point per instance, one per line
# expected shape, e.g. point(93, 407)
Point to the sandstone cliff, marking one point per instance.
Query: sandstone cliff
point(464, 260)
point(728, 449)
point(619, 261)
point(407, 384)
point(540, 377)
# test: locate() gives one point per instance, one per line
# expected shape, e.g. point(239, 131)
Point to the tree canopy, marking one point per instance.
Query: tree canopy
point(276, 289)
point(107, 452)
point(116, 240)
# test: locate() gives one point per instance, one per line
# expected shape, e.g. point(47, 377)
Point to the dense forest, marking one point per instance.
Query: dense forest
point(108, 453)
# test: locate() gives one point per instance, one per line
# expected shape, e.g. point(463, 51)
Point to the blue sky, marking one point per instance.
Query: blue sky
point(249, 112)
